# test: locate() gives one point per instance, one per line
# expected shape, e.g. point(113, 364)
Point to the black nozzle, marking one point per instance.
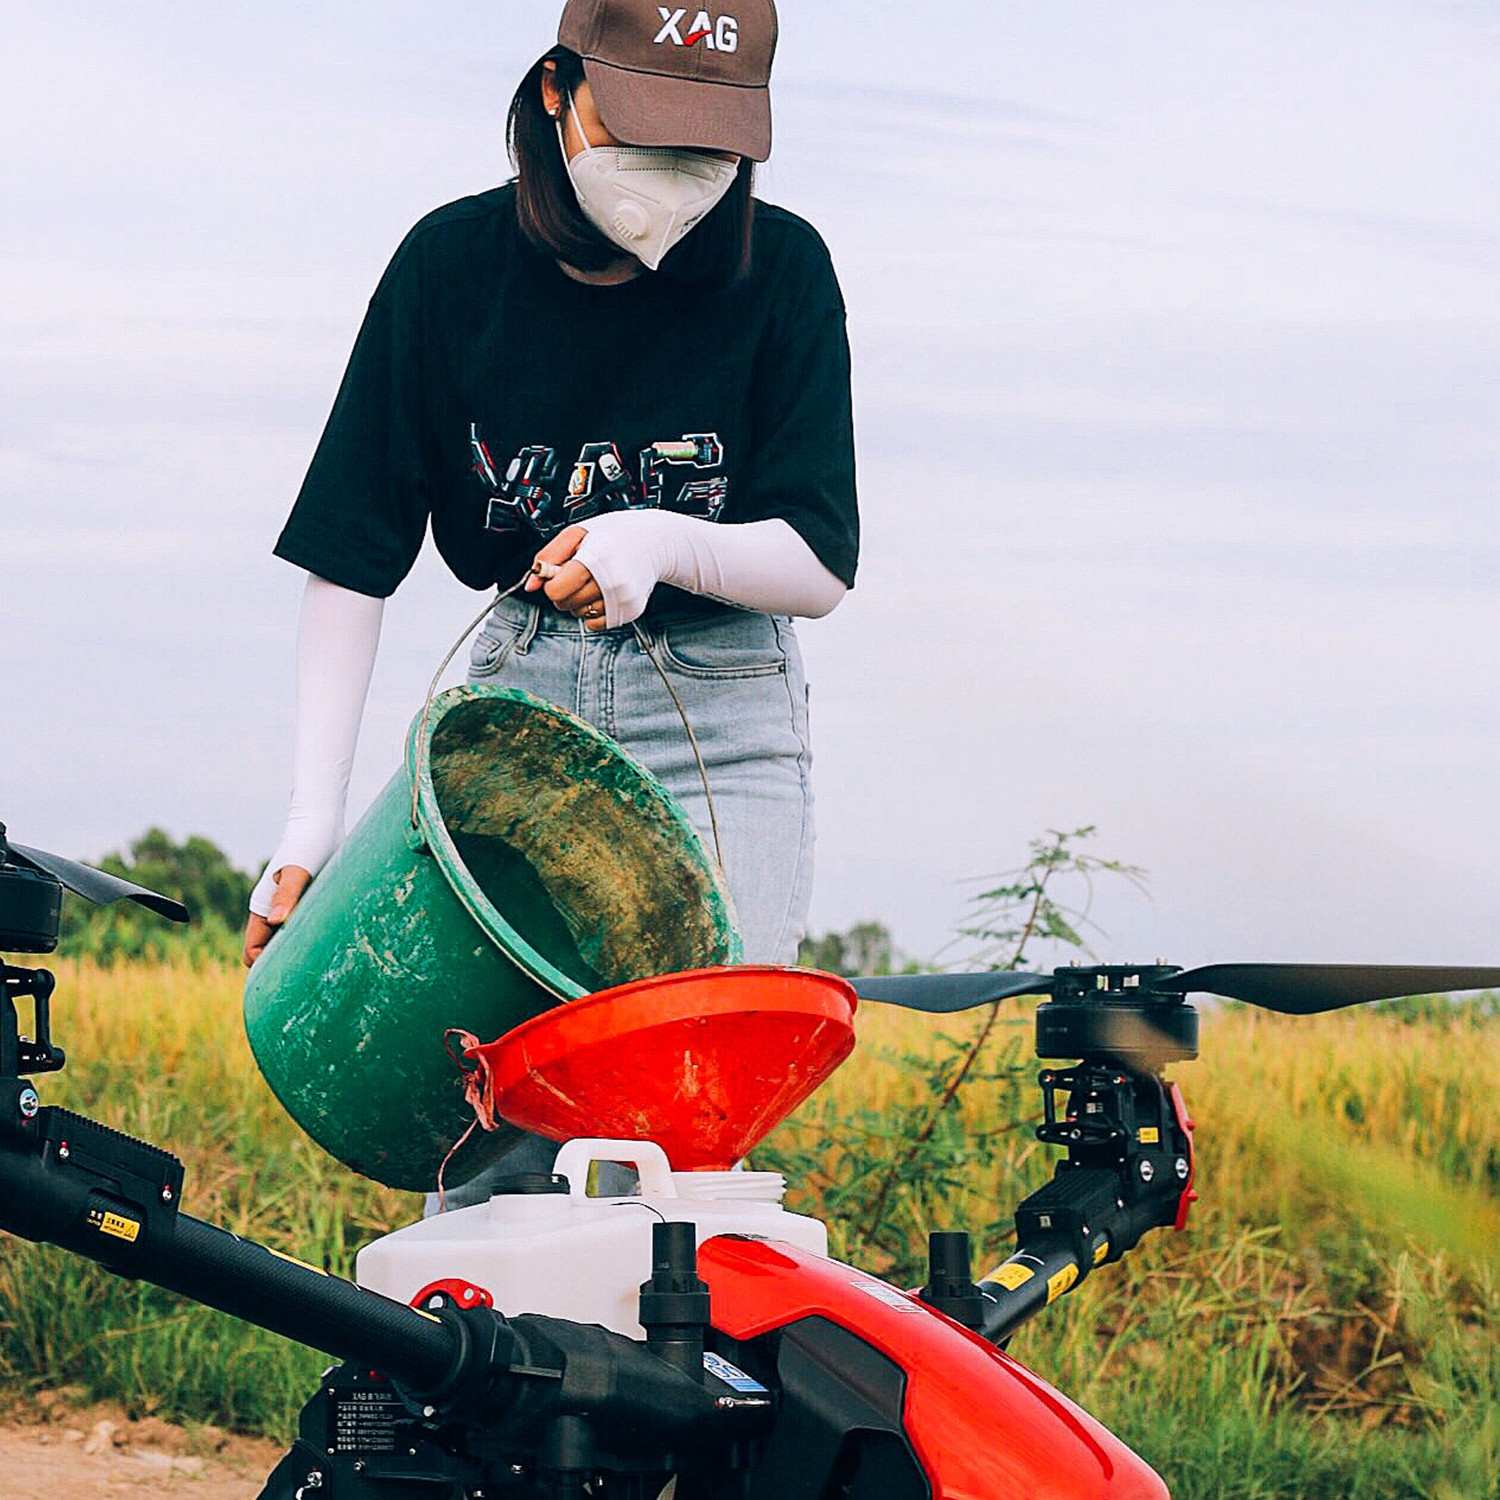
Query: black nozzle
point(950, 1287)
point(674, 1302)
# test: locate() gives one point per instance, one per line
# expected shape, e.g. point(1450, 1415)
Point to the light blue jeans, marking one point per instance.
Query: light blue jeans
point(741, 680)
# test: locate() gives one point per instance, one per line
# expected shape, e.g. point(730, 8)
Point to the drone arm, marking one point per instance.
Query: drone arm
point(72, 1182)
point(1048, 1265)
point(69, 1181)
point(1032, 1279)
point(1129, 1170)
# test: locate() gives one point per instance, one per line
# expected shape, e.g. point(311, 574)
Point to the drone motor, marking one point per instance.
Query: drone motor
point(30, 906)
point(1118, 1011)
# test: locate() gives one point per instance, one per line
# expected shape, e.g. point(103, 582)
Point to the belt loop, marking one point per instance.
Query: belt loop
point(530, 628)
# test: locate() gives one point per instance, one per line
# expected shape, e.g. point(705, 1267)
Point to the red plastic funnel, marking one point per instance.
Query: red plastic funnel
point(705, 1064)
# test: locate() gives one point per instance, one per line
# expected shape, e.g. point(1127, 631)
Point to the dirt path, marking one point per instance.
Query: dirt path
point(97, 1451)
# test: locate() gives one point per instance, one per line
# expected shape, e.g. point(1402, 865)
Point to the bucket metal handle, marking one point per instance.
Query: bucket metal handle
point(432, 687)
point(649, 647)
point(646, 645)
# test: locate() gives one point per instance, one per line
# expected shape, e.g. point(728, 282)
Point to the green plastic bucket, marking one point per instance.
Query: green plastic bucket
point(545, 864)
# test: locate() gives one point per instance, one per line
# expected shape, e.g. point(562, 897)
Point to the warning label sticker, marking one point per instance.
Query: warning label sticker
point(1058, 1284)
point(117, 1226)
point(1013, 1275)
point(889, 1295)
point(732, 1376)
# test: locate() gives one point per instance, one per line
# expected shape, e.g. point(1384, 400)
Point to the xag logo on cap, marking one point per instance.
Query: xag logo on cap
point(721, 35)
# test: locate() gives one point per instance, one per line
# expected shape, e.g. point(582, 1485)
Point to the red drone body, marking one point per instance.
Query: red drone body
point(980, 1425)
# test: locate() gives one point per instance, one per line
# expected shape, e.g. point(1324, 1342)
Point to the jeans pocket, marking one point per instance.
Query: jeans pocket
point(491, 650)
point(739, 645)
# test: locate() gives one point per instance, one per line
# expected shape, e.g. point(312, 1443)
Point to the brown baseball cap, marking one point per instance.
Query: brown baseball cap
point(679, 75)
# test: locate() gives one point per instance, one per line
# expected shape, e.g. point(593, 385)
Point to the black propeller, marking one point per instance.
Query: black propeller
point(1309, 989)
point(96, 885)
point(944, 993)
point(1292, 989)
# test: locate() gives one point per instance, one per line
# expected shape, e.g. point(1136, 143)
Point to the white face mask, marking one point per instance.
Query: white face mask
point(645, 199)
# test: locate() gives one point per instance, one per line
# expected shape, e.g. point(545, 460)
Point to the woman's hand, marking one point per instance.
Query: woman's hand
point(568, 584)
point(290, 885)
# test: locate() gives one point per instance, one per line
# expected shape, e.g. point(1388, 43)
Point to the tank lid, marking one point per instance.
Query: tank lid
point(526, 1184)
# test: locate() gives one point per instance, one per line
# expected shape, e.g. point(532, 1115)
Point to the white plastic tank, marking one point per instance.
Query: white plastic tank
point(573, 1256)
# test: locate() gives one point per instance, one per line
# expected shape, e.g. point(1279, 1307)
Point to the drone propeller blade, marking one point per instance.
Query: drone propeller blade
point(1308, 989)
point(96, 885)
point(943, 994)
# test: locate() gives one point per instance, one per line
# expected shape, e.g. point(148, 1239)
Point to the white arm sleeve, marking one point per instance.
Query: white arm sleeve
point(763, 565)
point(337, 639)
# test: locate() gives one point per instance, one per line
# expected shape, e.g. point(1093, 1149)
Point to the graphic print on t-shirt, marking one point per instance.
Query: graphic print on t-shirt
point(527, 500)
point(472, 322)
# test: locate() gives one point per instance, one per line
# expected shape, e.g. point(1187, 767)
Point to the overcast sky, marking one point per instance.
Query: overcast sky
point(1175, 330)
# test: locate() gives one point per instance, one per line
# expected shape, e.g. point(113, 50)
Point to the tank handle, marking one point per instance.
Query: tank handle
point(648, 1159)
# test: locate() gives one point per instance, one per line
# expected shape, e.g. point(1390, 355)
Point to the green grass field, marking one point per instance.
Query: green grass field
point(1329, 1328)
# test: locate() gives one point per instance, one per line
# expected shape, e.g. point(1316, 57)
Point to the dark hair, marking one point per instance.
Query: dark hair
point(718, 251)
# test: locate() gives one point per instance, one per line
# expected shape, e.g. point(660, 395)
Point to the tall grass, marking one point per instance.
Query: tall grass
point(1330, 1326)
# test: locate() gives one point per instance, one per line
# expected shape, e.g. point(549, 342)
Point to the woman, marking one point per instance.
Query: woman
point(622, 334)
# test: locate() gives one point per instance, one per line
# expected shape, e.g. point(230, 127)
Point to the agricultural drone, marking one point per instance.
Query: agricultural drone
point(712, 1351)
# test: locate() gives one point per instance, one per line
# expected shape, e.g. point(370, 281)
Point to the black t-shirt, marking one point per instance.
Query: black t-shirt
point(732, 404)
